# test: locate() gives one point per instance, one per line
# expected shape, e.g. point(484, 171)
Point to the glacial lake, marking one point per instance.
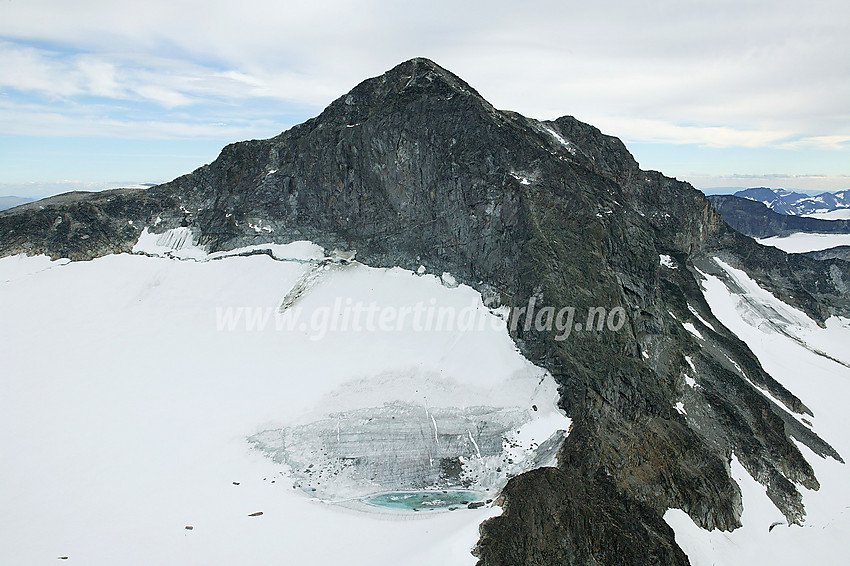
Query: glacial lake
point(423, 500)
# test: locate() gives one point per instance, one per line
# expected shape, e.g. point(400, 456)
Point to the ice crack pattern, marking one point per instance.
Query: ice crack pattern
point(408, 456)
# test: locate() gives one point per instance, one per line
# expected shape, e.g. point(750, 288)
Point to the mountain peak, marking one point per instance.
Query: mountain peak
point(418, 63)
point(424, 74)
point(415, 80)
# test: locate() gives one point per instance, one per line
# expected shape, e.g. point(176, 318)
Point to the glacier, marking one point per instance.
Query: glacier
point(126, 413)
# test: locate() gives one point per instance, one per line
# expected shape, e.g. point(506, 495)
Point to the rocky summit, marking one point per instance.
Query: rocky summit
point(415, 168)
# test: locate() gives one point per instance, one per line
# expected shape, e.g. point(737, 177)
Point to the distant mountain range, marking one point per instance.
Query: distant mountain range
point(762, 212)
point(797, 204)
point(11, 202)
point(756, 219)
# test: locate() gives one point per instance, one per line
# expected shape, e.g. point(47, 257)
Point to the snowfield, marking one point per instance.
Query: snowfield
point(145, 394)
point(126, 404)
point(801, 242)
point(796, 352)
point(839, 214)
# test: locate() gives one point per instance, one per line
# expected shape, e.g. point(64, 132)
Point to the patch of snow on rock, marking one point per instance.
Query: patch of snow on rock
point(667, 261)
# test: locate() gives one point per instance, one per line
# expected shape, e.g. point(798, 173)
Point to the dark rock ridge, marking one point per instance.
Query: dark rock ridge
point(415, 167)
point(569, 529)
point(838, 252)
point(755, 219)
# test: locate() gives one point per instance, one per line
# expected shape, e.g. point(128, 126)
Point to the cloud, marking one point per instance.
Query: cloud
point(841, 142)
point(93, 121)
point(657, 131)
point(168, 82)
point(28, 69)
point(166, 97)
point(742, 73)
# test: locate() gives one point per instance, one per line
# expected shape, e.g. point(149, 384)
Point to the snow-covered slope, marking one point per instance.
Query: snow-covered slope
point(814, 363)
point(805, 242)
point(838, 214)
point(132, 383)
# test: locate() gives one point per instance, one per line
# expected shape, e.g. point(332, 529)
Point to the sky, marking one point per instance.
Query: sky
point(99, 93)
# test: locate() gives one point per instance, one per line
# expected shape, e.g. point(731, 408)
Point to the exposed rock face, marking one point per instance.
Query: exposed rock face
point(82, 225)
point(838, 252)
point(553, 516)
point(414, 167)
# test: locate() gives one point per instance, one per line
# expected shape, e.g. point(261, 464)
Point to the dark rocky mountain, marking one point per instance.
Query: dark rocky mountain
point(755, 219)
point(793, 203)
point(415, 167)
point(838, 252)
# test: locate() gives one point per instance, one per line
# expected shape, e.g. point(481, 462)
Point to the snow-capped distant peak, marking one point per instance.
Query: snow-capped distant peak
point(794, 203)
